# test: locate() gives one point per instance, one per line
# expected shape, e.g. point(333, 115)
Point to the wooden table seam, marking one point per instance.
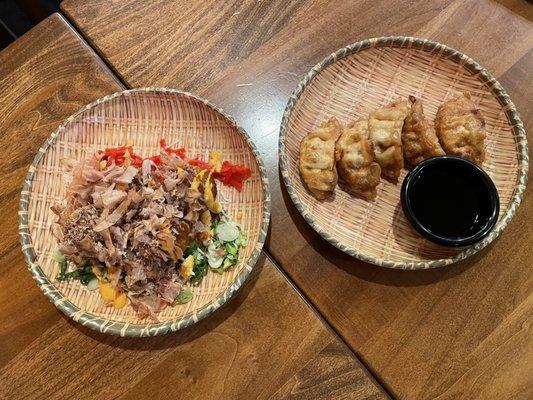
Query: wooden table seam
point(371, 373)
point(115, 76)
point(396, 322)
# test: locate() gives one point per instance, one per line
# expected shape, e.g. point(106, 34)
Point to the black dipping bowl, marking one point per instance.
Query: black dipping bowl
point(450, 201)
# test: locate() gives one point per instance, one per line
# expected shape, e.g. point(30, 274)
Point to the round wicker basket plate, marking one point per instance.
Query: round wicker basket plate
point(142, 116)
point(364, 76)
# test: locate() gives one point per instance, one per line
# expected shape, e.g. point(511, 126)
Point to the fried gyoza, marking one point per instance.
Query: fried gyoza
point(355, 160)
point(461, 129)
point(385, 126)
point(419, 140)
point(317, 159)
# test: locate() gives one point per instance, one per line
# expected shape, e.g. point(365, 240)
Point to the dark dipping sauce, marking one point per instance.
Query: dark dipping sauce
point(450, 201)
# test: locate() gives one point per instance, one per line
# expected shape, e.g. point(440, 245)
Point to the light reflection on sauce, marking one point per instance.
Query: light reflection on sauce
point(450, 202)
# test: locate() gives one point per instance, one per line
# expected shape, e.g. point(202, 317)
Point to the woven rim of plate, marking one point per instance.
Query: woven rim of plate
point(444, 51)
point(116, 327)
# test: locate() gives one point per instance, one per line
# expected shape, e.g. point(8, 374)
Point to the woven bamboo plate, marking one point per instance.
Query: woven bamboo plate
point(363, 76)
point(142, 116)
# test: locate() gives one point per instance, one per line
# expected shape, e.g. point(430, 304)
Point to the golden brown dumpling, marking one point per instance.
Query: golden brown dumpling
point(419, 140)
point(355, 160)
point(317, 159)
point(385, 126)
point(461, 129)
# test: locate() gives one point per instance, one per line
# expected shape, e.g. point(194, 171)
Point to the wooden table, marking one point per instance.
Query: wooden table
point(265, 343)
point(461, 331)
point(457, 332)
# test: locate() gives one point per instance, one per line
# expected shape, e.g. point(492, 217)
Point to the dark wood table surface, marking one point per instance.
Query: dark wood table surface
point(265, 343)
point(463, 331)
point(460, 331)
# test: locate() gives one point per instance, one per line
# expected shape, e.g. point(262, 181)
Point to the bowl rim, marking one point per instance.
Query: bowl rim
point(102, 324)
point(444, 161)
point(443, 51)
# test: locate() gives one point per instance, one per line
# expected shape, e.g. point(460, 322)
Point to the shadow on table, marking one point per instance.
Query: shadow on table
point(266, 245)
point(366, 271)
point(175, 339)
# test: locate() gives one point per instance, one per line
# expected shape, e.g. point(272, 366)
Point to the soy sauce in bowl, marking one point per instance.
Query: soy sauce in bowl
point(450, 201)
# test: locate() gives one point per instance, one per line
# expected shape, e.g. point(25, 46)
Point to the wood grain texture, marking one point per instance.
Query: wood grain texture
point(461, 331)
point(265, 343)
point(45, 76)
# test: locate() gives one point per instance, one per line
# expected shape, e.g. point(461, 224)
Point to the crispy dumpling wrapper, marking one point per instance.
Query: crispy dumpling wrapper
point(419, 140)
point(317, 159)
point(461, 129)
point(385, 127)
point(357, 169)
